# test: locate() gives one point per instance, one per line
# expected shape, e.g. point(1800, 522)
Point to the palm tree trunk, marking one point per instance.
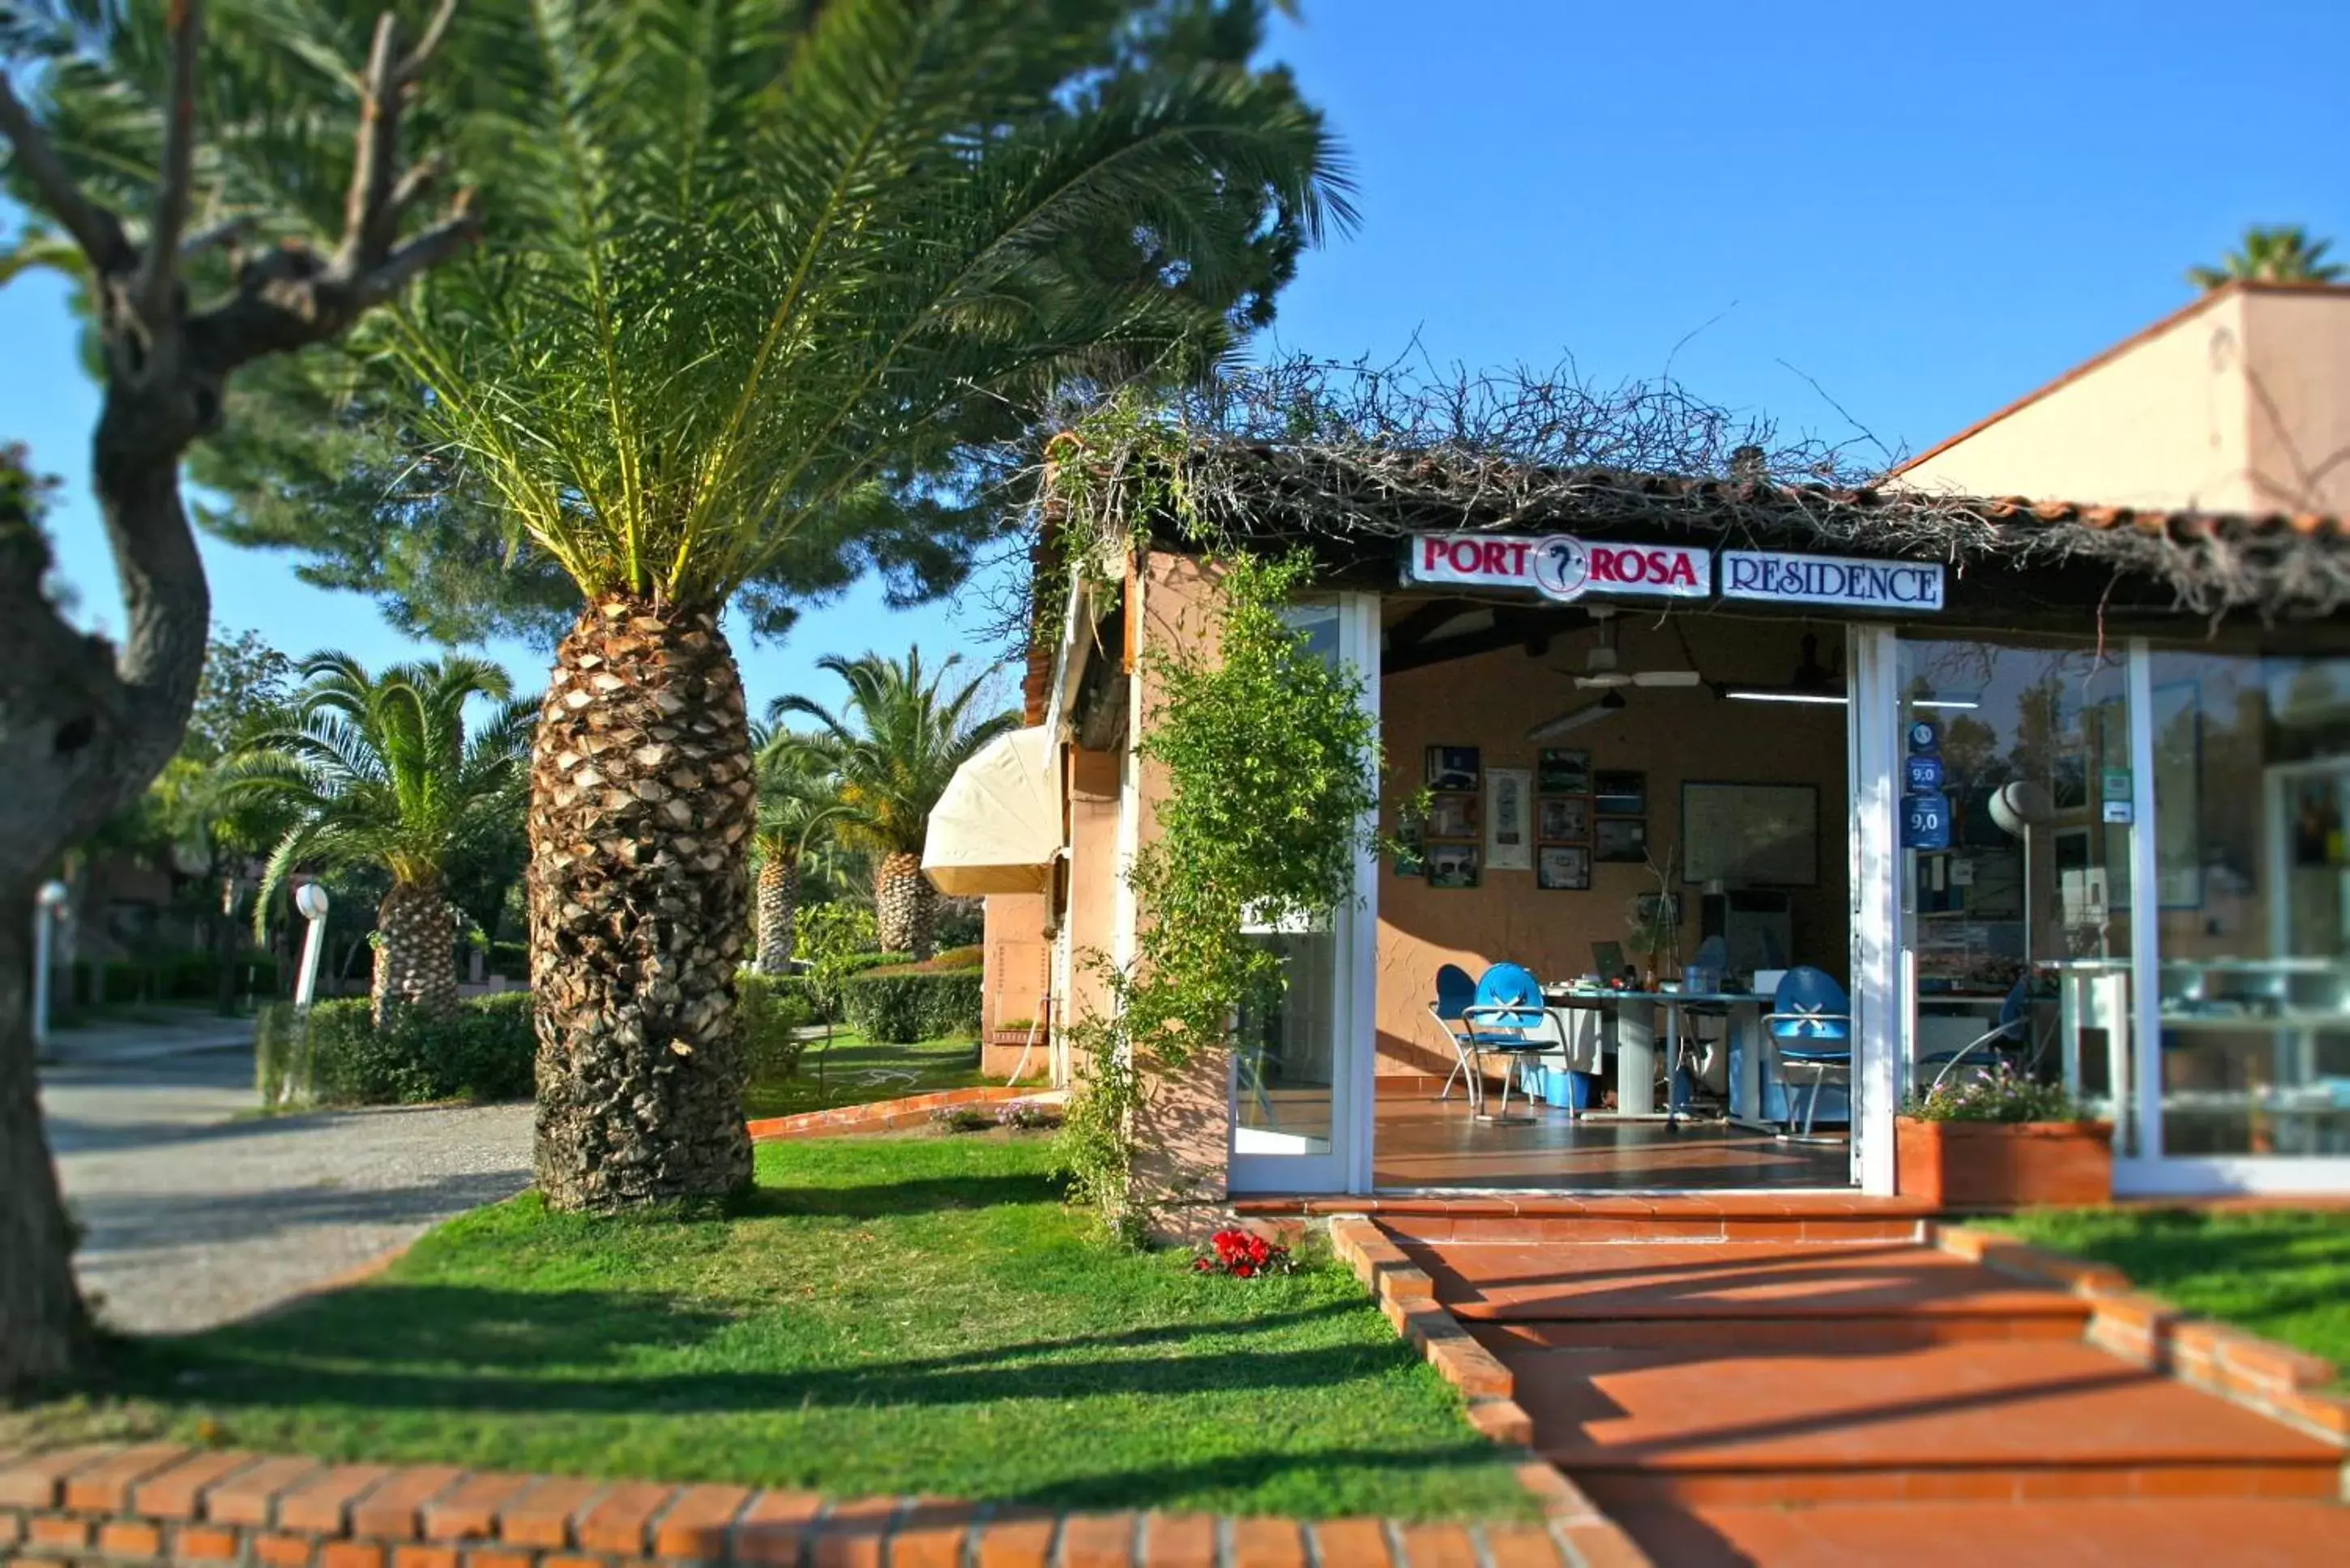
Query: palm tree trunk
point(42, 1313)
point(416, 960)
point(779, 903)
point(905, 906)
point(641, 816)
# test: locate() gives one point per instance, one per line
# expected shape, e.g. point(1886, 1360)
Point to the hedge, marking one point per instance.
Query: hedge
point(774, 1008)
point(900, 1006)
point(183, 977)
point(336, 1054)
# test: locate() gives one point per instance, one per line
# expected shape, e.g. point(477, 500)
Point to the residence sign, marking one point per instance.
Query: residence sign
point(1565, 568)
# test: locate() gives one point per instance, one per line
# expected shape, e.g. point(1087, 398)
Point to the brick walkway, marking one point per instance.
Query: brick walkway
point(1800, 1388)
point(157, 1504)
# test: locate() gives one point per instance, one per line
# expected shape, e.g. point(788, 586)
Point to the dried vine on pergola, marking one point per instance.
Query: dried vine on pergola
point(1312, 455)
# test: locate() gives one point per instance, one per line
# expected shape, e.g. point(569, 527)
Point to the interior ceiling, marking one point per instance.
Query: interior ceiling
point(1421, 630)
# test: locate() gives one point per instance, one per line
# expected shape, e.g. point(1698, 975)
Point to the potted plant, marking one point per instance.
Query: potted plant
point(1998, 1140)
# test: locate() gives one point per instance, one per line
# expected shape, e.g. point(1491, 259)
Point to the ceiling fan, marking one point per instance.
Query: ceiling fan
point(1603, 672)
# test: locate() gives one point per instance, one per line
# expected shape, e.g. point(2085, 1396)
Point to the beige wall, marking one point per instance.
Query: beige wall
point(2162, 421)
point(2240, 402)
point(1017, 955)
point(1093, 788)
point(2297, 351)
point(1186, 1134)
point(1490, 700)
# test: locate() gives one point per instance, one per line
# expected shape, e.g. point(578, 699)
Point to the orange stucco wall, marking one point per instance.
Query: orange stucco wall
point(1489, 702)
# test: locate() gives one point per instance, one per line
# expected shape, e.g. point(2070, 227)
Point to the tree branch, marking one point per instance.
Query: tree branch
point(435, 31)
point(159, 273)
point(96, 230)
point(226, 232)
point(420, 178)
point(365, 219)
point(428, 249)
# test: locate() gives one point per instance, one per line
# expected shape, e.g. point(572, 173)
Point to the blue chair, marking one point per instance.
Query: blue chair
point(1508, 1019)
point(2011, 1032)
point(1454, 991)
point(1810, 1025)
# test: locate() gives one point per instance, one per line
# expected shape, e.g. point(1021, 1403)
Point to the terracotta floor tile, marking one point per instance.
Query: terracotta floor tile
point(2013, 1535)
point(2013, 1401)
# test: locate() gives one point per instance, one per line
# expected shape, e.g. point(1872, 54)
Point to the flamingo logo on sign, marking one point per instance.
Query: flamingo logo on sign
point(1562, 566)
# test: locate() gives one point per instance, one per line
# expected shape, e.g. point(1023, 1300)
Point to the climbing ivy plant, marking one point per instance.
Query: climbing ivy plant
point(1270, 759)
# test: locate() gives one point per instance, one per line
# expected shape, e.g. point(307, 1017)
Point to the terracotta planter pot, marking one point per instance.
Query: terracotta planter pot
point(2004, 1165)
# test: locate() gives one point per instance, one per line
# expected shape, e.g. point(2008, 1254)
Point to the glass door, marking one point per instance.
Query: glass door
point(2017, 821)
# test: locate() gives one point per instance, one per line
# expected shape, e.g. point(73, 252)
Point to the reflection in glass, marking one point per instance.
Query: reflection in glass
point(1284, 1052)
point(2017, 930)
point(2251, 776)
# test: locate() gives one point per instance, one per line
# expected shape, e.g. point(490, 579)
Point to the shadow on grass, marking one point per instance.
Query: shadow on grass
point(473, 1349)
point(841, 1199)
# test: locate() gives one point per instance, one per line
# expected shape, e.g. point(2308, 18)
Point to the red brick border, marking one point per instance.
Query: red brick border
point(2275, 1380)
point(159, 1504)
point(880, 1115)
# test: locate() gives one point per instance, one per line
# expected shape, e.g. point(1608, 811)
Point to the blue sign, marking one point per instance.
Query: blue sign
point(1923, 775)
point(1925, 735)
point(1926, 822)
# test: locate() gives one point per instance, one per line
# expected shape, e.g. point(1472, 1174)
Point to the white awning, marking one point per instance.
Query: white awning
point(998, 826)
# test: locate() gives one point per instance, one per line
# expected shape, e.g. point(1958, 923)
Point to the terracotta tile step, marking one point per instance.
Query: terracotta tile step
point(2141, 1534)
point(2013, 1405)
point(1521, 1229)
point(1556, 1205)
point(1824, 1333)
point(1738, 1283)
point(1619, 1489)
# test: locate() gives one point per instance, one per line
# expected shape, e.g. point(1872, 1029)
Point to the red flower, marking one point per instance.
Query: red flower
point(1245, 1270)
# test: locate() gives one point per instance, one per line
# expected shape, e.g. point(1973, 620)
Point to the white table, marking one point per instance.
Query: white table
point(1634, 1014)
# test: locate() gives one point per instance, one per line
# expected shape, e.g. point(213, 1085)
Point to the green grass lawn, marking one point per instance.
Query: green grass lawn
point(898, 1315)
point(2283, 1273)
point(854, 1071)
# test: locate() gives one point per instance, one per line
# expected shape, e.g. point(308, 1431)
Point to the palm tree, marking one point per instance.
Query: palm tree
point(770, 276)
point(383, 773)
point(893, 746)
point(797, 801)
point(2281, 255)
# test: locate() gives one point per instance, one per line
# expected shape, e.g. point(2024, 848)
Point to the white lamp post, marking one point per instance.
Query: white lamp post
point(48, 909)
point(310, 900)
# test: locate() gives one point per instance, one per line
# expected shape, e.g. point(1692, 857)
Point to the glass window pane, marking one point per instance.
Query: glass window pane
point(2252, 781)
point(2015, 906)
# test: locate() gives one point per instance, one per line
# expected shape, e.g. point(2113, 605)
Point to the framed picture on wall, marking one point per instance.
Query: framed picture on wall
point(1451, 816)
point(1564, 819)
point(1617, 792)
point(1565, 867)
point(1452, 866)
point(1620, 839)
point(1454, 767)
point(1564, 772)
point(1509, 819)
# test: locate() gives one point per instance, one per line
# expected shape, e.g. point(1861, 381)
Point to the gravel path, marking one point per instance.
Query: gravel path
point(197, 1213)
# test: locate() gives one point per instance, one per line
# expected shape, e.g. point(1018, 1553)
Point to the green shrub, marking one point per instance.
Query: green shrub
point(336, 1056)
point(857, 963)
point(774, 1008)
point(901, 1006)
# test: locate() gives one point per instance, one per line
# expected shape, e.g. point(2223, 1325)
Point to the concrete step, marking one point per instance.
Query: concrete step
point(1972, 1421)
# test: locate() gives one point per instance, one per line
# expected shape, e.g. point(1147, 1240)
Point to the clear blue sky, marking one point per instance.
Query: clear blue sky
point(1927, 210)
